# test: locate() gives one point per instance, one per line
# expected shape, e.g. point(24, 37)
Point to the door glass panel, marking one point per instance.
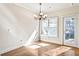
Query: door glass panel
point(69, 28)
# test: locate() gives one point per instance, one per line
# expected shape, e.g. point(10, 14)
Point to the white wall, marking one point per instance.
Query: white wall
point(16, 26)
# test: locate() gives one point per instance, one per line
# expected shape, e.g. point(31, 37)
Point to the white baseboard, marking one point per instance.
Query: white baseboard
point(52, 42)
point(11, 48)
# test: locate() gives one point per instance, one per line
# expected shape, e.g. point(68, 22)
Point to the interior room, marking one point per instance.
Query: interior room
point(39, 29)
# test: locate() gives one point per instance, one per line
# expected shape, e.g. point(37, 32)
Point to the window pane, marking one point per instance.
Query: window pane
point(52, 28)
point(49, 27)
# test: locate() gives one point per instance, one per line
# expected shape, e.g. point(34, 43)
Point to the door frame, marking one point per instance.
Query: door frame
point(75, 30)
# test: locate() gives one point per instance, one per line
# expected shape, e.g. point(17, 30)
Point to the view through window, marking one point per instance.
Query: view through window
point(49, 27)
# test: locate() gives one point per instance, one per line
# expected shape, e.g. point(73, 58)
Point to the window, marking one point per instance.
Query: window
point(49, 27)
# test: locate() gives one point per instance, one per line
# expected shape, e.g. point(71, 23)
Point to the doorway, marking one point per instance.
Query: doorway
point(70, 31)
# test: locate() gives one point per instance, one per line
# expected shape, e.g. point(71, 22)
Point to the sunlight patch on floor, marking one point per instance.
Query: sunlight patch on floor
point(43, 44)
point(34, 46)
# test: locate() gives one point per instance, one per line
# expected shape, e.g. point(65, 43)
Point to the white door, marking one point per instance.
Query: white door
point(69, 31)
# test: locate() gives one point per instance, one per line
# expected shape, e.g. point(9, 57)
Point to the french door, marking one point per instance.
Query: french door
point(70, 31)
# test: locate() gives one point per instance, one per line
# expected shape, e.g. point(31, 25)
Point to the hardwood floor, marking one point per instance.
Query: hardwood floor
point(43, 49)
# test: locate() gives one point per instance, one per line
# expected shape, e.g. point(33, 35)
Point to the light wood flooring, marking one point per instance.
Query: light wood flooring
point(43, 49)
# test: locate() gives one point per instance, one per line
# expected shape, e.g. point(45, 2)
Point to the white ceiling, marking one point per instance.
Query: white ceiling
point(46, 7)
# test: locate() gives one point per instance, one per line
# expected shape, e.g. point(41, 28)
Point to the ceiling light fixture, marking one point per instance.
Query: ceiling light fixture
point(39, 17)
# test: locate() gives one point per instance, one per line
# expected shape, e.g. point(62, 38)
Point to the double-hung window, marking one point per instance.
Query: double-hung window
point(49, 27)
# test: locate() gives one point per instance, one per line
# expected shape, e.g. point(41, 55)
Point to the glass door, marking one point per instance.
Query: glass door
point(69, 31)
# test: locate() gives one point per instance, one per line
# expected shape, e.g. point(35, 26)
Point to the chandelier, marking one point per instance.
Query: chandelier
point(41, 15)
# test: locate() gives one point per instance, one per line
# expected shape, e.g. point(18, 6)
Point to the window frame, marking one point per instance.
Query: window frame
point(57, 27)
